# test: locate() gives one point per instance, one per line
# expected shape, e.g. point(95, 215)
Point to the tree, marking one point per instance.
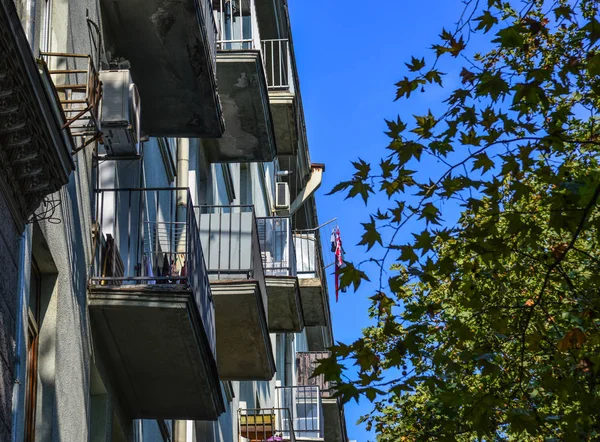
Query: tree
point(486, 326)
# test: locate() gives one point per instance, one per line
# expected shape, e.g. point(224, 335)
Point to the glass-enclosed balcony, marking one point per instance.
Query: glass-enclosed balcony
point(230, 239)
point(151, 306)
point(265, 425)
point(249, 134)
point(279, 263)
point(306, 411)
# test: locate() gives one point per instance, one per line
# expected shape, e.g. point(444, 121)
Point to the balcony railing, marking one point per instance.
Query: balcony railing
point(266, 425)
point(142, 240)
point(231, 244)
point(277, 246)
point(306, 411)
point(211, 28)
point(278, 64)
point(314, 250)
point(237, 28)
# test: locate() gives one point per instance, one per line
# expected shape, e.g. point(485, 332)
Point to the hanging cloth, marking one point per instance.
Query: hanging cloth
point(339, 260)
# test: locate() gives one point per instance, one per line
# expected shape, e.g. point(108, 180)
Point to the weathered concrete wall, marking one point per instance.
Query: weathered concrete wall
point(9, 255)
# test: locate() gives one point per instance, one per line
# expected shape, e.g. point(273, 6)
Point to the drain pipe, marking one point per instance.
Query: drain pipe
point(183, 169)
point(180, 427)
point(20, 361)
point(29, 22)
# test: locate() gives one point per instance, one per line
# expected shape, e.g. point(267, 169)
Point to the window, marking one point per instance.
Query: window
point(35, 288)
point(226, 171)
point(166, 430)
point(168, 152)
point(245, 185)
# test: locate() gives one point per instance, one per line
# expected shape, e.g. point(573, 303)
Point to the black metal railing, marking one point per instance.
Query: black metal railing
point(140, 238)
point(306, 410)
point(229, 236)
point(277, 246)
point(266, 425)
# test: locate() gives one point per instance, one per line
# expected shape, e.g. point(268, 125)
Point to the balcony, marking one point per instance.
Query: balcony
point(35, 146)
point(265, 425)
point(172, 50)
point(279, 263)
point(311, 277)
point(334, 421)
point(282, 95)
point(306, 412)
point(249, 135)
point(229, 237)
point(151, 307)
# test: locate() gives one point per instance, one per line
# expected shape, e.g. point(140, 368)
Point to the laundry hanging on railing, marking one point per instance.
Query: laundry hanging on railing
point(338, 250)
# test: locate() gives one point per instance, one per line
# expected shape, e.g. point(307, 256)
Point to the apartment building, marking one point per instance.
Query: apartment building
point(165, 271)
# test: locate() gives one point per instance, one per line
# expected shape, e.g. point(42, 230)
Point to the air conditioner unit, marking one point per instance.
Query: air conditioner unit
point(282, 196)
point(119, 114)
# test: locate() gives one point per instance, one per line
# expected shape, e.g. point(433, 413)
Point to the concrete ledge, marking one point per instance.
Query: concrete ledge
point(285, 308)
point(249, 135)
point(244, 351)
point(313, 304)
point(158, 350)
point(283, 109)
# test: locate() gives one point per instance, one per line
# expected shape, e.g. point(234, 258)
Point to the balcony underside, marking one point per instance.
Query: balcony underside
point(333, 420)
point(283, 108)
point(168, 46)
point(158, 350)
point(285, 308)
point(244, 351)
point(313, 304)
point(35, 152)
point(249, 135)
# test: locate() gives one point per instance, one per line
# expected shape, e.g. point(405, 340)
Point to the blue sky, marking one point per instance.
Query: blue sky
point(349, 55)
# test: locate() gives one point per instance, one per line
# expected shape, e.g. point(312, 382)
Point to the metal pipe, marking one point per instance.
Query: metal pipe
point(183, 171)
point(29, 22)
point(20, 364)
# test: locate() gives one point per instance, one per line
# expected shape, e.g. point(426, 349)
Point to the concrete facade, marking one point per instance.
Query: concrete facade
point(128, 292)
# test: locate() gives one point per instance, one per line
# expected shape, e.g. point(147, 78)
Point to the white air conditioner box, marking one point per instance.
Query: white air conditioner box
point(282, 196)
point(119, 114)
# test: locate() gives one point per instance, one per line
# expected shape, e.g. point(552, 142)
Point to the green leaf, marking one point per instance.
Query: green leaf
point(434, 76)
point(486, 21)
point(371, 235)
point(483, 162)
point(511, 37)
point(415, 64)
point(350, 275)
point(424, 241)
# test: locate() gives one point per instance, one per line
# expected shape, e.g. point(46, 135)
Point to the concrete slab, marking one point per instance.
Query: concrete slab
point(158, 351)
point(244, 351)
point(313, 304)
point(171, 47)
point(283, 109)
point(285, 308)
point(334, 421)
point(249, 135)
